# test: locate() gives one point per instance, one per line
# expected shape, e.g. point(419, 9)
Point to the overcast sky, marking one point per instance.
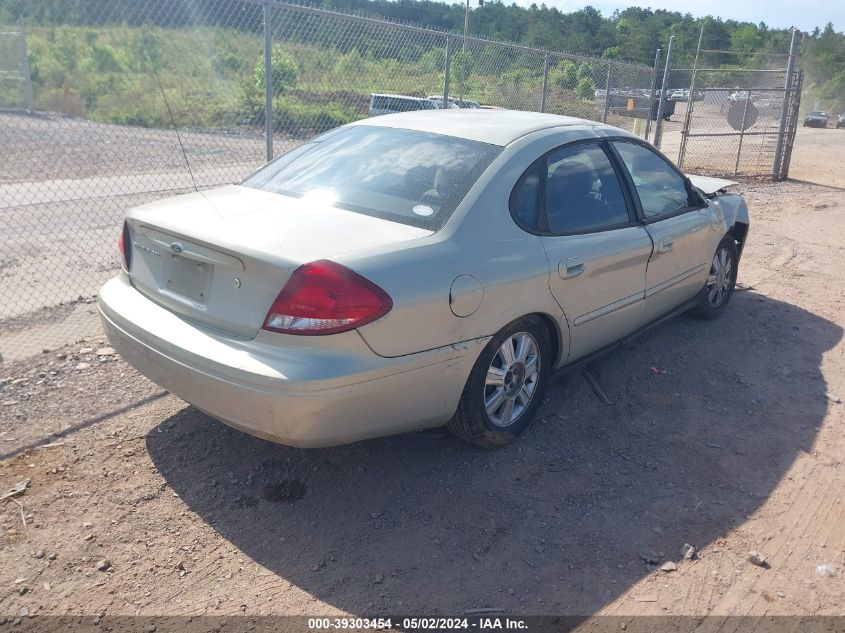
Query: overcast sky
point(805, 14)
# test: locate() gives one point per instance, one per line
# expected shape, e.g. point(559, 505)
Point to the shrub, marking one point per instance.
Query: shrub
point(299, 118)
point(564, 75)
point(284, 72)
point(585, 89)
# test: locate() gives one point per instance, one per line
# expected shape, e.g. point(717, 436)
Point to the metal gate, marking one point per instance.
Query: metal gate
point(782, 167)
point(734, 113)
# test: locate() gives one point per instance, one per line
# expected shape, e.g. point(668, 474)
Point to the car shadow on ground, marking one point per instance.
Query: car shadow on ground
point(706, 418)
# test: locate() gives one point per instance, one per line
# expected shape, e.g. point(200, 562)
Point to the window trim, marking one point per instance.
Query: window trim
point(633, 188)
point(631, 202)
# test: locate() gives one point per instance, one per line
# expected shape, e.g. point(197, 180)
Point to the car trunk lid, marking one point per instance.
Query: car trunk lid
point(221, 257)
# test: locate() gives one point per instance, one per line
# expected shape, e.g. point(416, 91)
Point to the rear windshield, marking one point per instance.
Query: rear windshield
point(406, 176)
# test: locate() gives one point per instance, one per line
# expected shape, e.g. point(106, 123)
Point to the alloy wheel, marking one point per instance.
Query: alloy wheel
point(720, 277)
point(512, 379)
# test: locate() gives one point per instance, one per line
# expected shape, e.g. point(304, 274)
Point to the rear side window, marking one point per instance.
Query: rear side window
point(525, 200)
point(662, 190)
point(582, 191)
point(574, 189)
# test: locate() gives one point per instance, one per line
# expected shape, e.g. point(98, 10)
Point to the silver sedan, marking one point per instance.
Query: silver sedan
point(415, 270)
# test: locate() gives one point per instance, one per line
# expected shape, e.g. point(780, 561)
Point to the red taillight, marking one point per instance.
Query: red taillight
point(124, 246)
point(326, 298)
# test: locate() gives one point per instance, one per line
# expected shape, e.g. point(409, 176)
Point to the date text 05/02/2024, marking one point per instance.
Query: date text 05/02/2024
point(418, 624)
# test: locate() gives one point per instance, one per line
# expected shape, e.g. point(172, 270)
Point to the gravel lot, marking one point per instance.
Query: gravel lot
point(736, 447)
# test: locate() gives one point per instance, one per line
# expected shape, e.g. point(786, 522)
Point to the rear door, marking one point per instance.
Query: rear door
point(675, 217)
point(597, 250)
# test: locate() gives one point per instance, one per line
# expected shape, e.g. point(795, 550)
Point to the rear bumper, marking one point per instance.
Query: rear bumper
point(279, 387)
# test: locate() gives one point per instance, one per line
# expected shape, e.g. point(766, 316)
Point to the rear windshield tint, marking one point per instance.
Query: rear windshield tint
point(415, 178)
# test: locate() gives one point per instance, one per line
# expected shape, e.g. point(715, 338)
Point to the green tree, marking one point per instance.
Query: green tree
point(284, 72)
point(747, 39)
point(432, 61)
point(463, 64)
point(564, 76)
point(585, 89)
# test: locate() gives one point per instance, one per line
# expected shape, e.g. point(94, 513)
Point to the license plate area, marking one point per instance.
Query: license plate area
point(189, 278)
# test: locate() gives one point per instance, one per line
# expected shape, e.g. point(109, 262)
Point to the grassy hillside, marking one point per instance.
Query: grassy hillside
point(213, 77)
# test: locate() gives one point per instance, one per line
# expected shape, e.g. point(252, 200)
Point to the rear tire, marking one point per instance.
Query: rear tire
point(506, 385)
point(721, 280)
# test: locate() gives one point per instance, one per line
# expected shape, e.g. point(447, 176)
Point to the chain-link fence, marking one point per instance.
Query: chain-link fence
point(118, 103)
point(15, 86)
point(733, 113)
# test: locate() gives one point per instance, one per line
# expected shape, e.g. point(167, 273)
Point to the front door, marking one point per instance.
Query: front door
point(675, 217)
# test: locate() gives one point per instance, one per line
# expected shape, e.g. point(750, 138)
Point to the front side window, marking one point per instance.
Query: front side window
point(662, 190)
point(406, 176)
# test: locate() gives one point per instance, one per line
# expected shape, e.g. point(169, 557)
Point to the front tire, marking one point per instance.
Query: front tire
point(506, 385)
point(721, 280)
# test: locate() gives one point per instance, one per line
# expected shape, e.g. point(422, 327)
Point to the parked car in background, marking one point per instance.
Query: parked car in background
point(415, 270)
point(457, 102)
point(438, 103)
point(739, 95)
point(390, 104)
point(840, 120)
point(816, 118)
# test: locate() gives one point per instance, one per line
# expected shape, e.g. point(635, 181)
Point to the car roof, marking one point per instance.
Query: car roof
point(497, 127)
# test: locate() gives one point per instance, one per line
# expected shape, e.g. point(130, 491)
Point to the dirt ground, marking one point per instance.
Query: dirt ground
point(738, 446)
point(819, 156)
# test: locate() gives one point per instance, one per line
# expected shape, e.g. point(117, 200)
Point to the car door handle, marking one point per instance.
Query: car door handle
point(665, 245)
point(571, 267)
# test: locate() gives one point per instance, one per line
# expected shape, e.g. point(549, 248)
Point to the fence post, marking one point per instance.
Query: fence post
point(446, 72)
point(658, 126)
point(25, 70)
point(606, 93)
point(742, 132)
point(682, 150)
point(777, 172)
point(792, 125)
point(268, 80)
point(651, 94)
point(545, 83)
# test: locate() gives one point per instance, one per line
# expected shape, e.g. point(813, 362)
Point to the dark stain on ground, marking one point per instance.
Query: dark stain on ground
point(285, 491)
